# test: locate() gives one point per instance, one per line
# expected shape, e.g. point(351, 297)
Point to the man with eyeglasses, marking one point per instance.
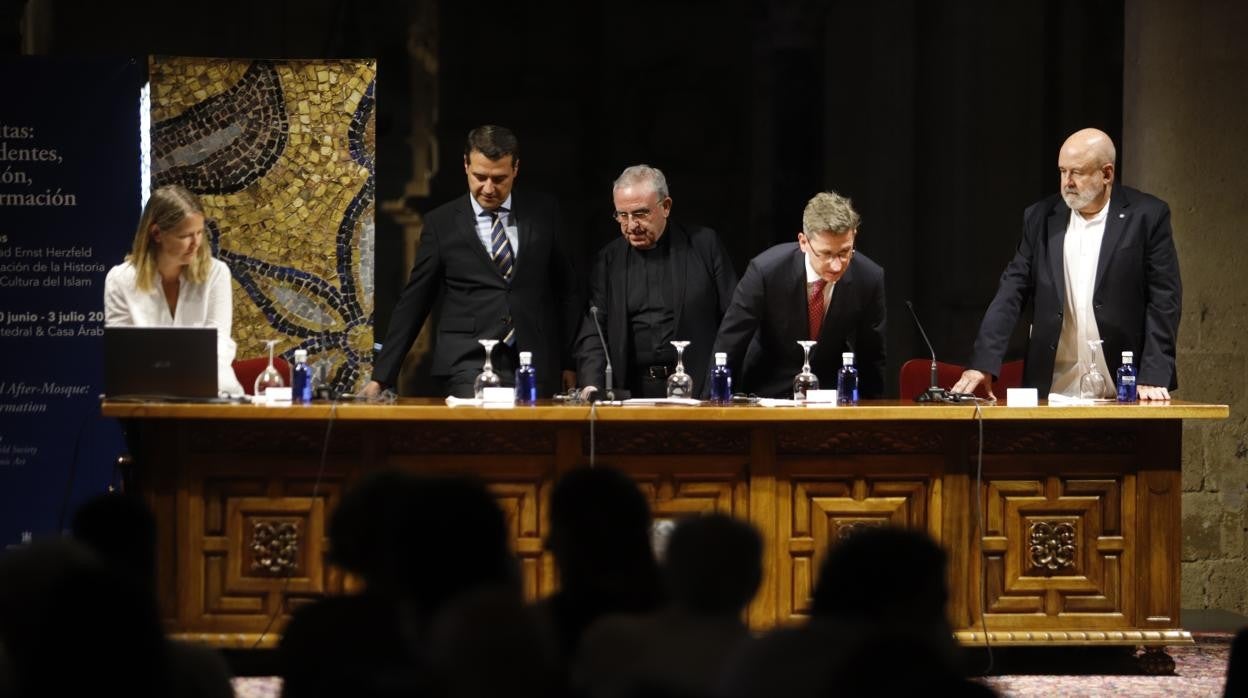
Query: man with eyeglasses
point(660, 281)
point(494, 259)
point(818, 288)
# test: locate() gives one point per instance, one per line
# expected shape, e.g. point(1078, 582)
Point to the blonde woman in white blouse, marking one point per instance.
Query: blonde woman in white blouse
point(171, 279)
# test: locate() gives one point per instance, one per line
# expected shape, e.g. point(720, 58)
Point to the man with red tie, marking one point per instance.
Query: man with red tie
point(817, 289)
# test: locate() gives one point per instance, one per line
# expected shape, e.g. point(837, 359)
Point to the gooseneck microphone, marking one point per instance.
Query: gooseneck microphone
point(593, 310)
point(934, 392)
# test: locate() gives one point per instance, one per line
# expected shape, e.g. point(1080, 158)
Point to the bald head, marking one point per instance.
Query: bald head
point(1086, 166)
point(1093, 143)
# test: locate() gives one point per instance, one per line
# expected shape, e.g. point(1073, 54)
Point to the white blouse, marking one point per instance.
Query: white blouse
point(207, 304)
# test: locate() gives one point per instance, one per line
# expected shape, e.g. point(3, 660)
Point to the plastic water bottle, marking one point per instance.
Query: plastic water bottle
point(526, 380)
point(847, 381)
point(721, 380)
point(301, 378)
point(1126, 378)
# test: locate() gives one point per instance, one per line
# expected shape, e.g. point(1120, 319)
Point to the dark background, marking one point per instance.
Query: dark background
point(940, 118)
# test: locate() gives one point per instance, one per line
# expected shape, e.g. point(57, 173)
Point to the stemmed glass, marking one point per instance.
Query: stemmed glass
point(269, 377)
point(487, 378)
point(680, 384)
point(1092, 383)
point(805, 380)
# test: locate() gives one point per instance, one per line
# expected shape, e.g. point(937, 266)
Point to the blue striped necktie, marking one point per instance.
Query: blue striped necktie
point(504, 259)
point(500, 248)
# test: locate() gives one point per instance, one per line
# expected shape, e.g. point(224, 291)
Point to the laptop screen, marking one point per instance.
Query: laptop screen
point(160, 362)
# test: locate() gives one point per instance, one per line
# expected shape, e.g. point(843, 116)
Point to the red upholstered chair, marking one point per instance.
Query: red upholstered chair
point(248, 369)
point(916, 375)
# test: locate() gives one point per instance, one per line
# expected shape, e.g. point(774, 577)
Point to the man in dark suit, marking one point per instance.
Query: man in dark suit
point(1098, 264)
point(659, 281)
point(818, 288)
point(494, 259)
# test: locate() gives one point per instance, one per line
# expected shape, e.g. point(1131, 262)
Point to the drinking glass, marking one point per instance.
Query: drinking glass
point(680, 384)
point(805, 380)
point(1092, 384)
point(269, 377)
point(487, 378)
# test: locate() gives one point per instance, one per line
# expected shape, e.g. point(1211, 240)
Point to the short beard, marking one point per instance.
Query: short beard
point(1079, 201)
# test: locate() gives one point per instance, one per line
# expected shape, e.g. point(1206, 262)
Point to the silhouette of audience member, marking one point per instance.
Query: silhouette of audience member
point(600, 539)
point(1237, 667)
point(487, 643)
point(712, 570)
point(416, 543)
point(121, 531)
point(72, 626)
point(877, 628)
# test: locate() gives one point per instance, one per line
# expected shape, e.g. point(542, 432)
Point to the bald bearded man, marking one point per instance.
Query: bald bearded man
point(1098, 262)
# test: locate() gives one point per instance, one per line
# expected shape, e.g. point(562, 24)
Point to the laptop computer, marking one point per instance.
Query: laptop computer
point(160, 363)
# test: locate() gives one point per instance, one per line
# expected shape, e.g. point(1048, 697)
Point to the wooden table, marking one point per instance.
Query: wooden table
point(1081, 504)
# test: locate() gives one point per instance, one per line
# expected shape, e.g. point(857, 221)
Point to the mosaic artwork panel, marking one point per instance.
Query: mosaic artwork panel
point(282, 154)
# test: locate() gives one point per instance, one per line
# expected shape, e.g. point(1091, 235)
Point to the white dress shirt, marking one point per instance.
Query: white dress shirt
point(207, 304)
point(1080, 253)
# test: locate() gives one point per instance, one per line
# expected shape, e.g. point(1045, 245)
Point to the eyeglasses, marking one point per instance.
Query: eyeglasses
point(641, 215)
point(843, 256)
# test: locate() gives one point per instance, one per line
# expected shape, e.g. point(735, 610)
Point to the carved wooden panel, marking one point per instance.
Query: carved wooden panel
point(1055, 546)
point(290, 531)
point(521, 503)
point(819, 512)
point(255, 545)
point(274, 545)
point(460, 438)
point(275, 436)
point(1107, 438)
point(858, 439)
point(616, 438)
point(673, 495)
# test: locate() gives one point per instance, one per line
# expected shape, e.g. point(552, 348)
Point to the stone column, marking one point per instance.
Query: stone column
point(1185, 139)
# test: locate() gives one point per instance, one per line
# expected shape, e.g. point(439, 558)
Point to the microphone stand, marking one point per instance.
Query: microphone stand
point(610, 374)
point(934, 392)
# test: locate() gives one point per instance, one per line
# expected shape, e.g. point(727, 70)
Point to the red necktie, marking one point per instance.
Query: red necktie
point(815, 309)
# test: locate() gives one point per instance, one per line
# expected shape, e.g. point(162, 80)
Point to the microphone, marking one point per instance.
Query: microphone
point(593, 310)
point(934, 392)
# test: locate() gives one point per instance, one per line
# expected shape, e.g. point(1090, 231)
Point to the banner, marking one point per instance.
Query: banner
point(69, 200)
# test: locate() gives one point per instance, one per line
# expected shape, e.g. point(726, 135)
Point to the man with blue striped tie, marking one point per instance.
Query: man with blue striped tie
point(494, 261)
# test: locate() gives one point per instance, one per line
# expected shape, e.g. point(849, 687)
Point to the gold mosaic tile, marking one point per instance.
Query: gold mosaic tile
point(282, 154)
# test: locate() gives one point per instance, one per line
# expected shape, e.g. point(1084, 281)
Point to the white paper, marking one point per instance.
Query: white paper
point(1057, 400)
point(1021, 397)
point(820, 396)
point(499, 396)
point(688, 401)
